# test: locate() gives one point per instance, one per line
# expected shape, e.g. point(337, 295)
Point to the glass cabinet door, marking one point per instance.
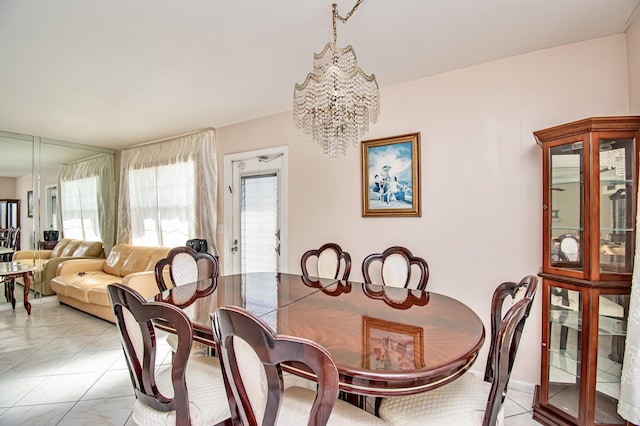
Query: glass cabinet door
point(565, 349)
point(616, 205)
point(566, 205)
point(612, 320)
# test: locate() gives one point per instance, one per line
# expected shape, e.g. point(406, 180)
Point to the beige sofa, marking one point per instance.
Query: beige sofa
point(47, 261)
point(82, 284)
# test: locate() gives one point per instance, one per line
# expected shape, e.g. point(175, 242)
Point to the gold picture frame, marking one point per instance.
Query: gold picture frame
point(391, 176)
point(392, 346)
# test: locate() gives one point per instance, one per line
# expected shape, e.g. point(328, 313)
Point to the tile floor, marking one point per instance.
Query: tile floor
point(62, 367)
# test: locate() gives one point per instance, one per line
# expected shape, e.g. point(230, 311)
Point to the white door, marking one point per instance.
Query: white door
point(255, 235)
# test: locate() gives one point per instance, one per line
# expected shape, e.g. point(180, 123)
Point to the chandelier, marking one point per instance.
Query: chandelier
point(337, 99)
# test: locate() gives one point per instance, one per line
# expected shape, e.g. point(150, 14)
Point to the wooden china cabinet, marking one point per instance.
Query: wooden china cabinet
point(590, 182)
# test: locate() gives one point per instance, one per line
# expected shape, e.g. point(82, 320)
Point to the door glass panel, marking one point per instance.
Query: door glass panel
point(566, 205)
point(259, 223)
point(616, 205)
point(565, 349)
point(612, 320)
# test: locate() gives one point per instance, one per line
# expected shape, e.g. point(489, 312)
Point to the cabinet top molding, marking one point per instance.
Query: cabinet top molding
point(629, 123)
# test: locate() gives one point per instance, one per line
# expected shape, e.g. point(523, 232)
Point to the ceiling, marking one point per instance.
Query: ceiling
point(120, 72)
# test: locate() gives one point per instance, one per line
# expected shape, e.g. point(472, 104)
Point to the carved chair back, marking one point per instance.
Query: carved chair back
point(331, 259)
point(395, 268)
point(185, 266)
point(251, 354)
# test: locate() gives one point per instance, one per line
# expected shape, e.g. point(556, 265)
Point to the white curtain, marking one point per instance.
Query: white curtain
point(168, 192)
point(87, 200)
point(629, 403)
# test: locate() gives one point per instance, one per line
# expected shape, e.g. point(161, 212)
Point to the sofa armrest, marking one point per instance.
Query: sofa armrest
point(81, 265)
point(31, 254)
point(143, 282)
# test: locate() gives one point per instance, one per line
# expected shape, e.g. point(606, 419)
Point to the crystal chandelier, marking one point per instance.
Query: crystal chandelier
point(337, 100)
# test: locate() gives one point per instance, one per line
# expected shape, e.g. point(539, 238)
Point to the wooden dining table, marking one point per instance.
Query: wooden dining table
point(384, 341)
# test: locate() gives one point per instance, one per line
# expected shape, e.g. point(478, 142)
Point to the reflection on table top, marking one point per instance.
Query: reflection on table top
point(9, 268)
point(385, 341)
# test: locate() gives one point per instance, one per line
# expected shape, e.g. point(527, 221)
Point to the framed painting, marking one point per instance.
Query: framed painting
point(29, 203)
point(392, 346)
point(391, 176)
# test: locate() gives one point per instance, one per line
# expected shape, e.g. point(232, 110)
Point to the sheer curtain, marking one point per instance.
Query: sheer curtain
point(87, 200)
point(629, 403)
point(168, 192)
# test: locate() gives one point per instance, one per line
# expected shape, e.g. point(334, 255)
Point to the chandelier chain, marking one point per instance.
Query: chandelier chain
point(335, 15)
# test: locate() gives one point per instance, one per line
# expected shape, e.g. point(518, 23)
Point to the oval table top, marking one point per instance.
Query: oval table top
point(384, 340)
point(12, 268)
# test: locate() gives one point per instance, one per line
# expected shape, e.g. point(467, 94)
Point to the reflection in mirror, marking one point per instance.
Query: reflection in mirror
point(15, 181)
point(33, 164)
point(55, 154)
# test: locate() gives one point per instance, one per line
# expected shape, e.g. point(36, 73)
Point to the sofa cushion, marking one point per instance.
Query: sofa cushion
point(137, 260)
point(70, 248)
point(89, 249)
point(59, 248)
point(119, 253)
point(125, 259)
point(99, 296)
point(79, 286)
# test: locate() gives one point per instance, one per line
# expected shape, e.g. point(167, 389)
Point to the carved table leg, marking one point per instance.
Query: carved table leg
point(27, 285)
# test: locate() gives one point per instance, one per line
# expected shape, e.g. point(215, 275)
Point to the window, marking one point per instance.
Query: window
point(80, 209)
point(168, 192)
point(162, 208)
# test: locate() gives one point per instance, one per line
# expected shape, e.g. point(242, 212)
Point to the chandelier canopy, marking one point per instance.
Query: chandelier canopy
point(337, 100)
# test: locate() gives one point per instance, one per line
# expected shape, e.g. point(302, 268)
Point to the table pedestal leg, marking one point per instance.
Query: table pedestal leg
point(27, 285)
point(9, 291)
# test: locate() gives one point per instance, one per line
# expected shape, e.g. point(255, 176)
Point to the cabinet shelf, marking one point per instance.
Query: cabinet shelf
point(607, 326)
point(566, 368)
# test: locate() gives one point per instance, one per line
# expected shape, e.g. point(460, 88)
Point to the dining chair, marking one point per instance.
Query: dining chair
point(570, 246)
point(470, 400)
point(330, 260)
point(189, 392)
point(185, 265)
point(395, 268)
point(11, 238)
point(251, 354)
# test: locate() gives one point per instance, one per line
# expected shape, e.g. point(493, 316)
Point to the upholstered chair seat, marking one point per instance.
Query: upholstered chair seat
point(206, 390)
point(469, 399)
point(442, 406)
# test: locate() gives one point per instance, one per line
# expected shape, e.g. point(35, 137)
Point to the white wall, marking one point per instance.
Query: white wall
point(7, 187)
point(633, 58)
point(481, 171)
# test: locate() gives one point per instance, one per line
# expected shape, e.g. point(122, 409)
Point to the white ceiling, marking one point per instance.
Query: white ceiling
point(120, 72)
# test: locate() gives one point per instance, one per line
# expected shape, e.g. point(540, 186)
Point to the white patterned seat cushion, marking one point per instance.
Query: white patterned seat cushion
point(328, 263)
point(395, 271)
point(207, 396)
point(461, 402)
point(197, 348)
point(296, 406)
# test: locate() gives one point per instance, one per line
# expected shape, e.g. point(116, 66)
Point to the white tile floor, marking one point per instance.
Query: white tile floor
point(61, 366)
